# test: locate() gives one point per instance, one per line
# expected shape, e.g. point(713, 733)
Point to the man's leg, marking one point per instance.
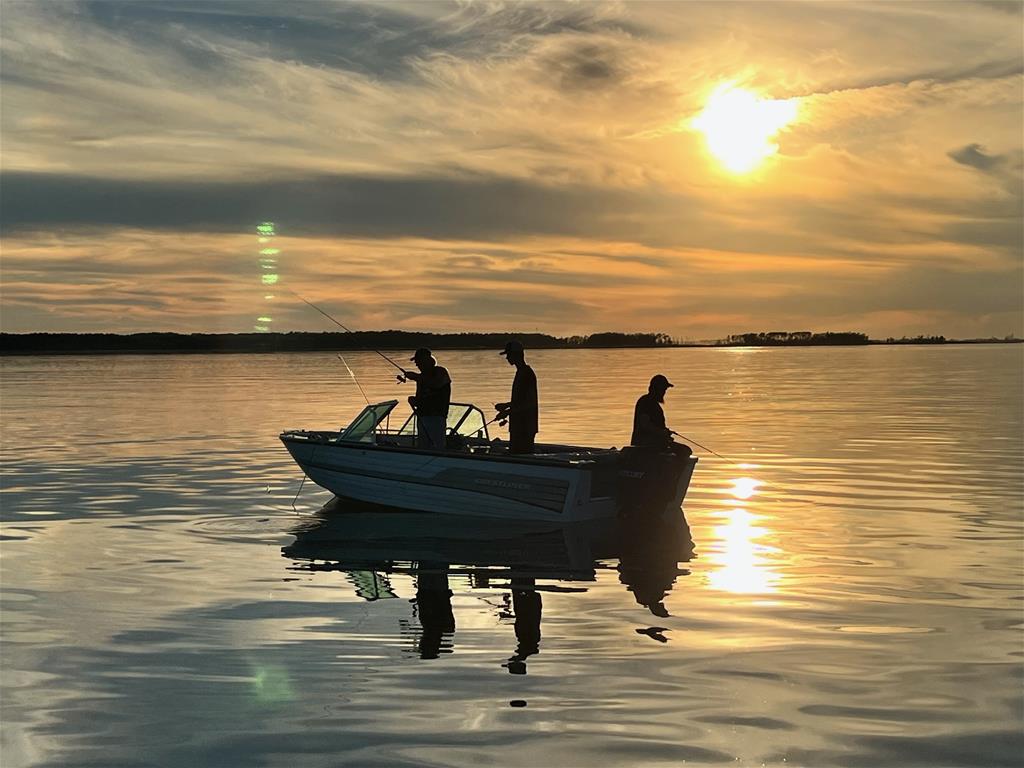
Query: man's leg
point(521, 442)
point(431, 432)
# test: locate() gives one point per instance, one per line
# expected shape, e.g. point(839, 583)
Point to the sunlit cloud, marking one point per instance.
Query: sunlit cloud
point(147, 281)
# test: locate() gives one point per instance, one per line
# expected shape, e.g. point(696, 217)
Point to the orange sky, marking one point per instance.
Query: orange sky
point(555, 167)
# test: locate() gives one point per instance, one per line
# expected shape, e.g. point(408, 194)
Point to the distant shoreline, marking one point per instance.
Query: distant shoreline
point(398, 341)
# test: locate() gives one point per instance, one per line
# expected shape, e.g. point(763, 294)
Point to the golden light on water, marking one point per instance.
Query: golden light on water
point(739, 126)
point(741, 561)
point(744, 487)
point(741, 565)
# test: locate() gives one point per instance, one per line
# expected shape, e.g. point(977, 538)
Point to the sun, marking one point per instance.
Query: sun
point(739, 126)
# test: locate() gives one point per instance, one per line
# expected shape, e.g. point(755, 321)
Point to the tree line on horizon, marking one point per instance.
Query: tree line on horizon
point(303, 341)
point(306, 341)
point(792, 338)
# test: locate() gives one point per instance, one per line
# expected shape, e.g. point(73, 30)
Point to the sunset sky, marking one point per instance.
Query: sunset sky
point(698, 169)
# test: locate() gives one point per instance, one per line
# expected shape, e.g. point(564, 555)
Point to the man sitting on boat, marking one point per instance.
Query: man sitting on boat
point(649, 430)
point(521, 411)
point(432, 398)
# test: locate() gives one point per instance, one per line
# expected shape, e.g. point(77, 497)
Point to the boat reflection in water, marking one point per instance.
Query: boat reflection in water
point(522, 559)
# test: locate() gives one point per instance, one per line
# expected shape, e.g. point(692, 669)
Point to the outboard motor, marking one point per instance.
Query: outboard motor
point(647, 479)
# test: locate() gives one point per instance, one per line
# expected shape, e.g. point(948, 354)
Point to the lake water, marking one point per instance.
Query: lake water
point(852, 595)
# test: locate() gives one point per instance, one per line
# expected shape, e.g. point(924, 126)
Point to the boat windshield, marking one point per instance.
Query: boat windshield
point(466, 420)
point(364, 425)
point(463, 419)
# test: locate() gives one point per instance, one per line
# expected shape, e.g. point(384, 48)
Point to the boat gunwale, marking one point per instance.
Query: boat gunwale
point(536, 460)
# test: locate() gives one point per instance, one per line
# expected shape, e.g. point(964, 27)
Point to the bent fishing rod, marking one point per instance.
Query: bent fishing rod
point(343, 327)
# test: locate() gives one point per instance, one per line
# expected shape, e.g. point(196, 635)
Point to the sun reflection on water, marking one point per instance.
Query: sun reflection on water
point(742, 561)
point(744, 487)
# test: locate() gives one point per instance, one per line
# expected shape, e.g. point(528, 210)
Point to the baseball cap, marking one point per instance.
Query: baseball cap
point(420, 354)
point(660, 381)
point(512, 346)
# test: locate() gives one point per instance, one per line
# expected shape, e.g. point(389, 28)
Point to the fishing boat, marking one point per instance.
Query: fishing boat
point(368, 461)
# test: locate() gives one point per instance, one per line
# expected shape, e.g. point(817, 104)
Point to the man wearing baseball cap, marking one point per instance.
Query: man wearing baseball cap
point(649, 430)
point(522, 410)
point(431, 401)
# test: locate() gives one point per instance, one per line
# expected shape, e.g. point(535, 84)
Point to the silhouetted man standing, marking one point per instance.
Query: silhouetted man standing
point(521, 411)
point(431, 401)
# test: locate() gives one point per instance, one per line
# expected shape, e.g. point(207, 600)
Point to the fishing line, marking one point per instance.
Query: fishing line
point(347, 367)
point(342, 326)
point(735, 463)
point(341, 357)
point(299, 491)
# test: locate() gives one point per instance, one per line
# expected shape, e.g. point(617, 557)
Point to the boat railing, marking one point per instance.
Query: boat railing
point(464, 420)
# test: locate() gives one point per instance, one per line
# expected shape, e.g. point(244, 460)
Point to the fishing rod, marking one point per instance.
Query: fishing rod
point(343, 327)
point(723, 458)
point(503, 420)
point(691, 440)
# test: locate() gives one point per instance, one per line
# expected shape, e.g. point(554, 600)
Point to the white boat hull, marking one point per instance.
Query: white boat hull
point(510, 487)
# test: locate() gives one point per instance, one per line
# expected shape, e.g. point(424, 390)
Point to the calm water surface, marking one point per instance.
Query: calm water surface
point(850, 596)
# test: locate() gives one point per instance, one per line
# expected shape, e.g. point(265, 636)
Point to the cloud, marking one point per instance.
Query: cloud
point(426, 156)
point(1008, 170)
point(381, 41)
point(350, 205)
point(984, 70)
point(974, 156)
point(1000, 6)
point(139, 280)
point(586, 66)
point(872, 228)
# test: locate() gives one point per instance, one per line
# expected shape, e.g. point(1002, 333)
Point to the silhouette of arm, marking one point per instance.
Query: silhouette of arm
point(431, 379)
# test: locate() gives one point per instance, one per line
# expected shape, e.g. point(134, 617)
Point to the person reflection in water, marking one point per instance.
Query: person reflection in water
point(649, 429)
point(432, 398)
point(526, 604)
point(522, 410)
point(649, 560)
point(434, 607)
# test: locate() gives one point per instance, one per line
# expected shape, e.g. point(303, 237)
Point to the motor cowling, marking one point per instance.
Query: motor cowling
point(646, 479)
